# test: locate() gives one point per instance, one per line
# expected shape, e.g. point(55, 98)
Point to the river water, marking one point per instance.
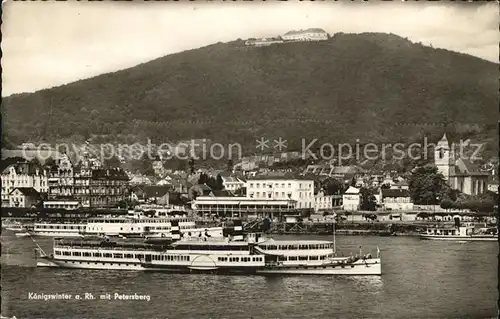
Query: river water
point(420, 279)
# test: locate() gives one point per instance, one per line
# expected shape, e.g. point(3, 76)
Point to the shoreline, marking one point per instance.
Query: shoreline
point(352, 232)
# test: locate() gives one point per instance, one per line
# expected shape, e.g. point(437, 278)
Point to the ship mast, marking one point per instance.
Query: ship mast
point(333, 226)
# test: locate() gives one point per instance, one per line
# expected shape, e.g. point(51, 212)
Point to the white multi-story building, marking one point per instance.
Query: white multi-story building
point(323, 202)
point(313, 34)
point(61, 179)
point(396, 199)
point(22, 175)
point(265, 196)
point(232, 183)
point(351, 200)
point(299, 190)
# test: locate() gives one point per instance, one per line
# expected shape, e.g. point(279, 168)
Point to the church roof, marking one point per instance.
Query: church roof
point(465, 167)
point(443, 142)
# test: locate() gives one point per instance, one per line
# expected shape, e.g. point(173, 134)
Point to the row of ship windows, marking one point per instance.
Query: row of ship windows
point(97, 228)
point(140, 221)
point(170, 258)
point(295, 247)
point(139, 228)
point(59, 227)
point(119, 255)
point(237, 259)
point(295, 258)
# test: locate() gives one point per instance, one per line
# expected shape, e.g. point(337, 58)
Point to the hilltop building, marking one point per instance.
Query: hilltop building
point(263, 42)
point(461, 174)
point(313, 34)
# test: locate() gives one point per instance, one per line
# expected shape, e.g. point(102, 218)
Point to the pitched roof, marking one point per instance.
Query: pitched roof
point(231, 179)
point(352, 190)
point(395, 193)
point(466, 167)
point(23, 168)
point(222, 193)
point(292, 32)
point(277, 175)
point(27, 191)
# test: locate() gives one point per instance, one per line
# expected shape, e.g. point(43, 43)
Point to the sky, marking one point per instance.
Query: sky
point(47, 44)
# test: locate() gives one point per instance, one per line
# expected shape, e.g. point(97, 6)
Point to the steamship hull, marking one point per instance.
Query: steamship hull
point(460, 238)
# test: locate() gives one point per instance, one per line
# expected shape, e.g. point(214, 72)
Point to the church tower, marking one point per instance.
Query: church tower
point(444, 158)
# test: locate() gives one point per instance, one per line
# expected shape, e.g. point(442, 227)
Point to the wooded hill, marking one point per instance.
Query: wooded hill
point(372, 87)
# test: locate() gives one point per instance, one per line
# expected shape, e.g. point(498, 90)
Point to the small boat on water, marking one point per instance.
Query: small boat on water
point(236, 252)
point(464, 233)
point(15, 227)
point(24, 234)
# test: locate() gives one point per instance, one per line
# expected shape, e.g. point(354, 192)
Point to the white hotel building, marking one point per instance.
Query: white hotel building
point(265, 196)
point(22, 175)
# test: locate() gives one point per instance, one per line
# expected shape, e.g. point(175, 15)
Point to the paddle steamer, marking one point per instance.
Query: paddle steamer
point(458, 232)
point(234, 253)
point(136, 224)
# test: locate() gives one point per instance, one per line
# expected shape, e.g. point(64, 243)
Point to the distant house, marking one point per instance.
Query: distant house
point(323, 202)
point(388, 181)
point(22, 174)
point(493, 185)
point(167, 180)
point(263, 42)
point(396, 199)
point(400, 185)
point(157, 194)
point(140, 179)
point(232, 183)
point(180, 186)
point(313, 34)
point(344, 173)
point(137, 193)
point(351, 199)
point(25, 197)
